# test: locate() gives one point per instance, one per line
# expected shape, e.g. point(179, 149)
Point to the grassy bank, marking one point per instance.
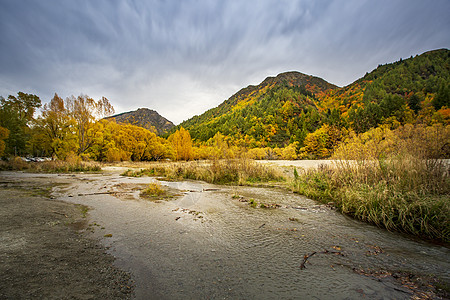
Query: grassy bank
point(402, 193)
point(56, 166)
point(236, 171)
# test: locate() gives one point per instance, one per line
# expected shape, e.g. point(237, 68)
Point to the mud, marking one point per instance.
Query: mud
point(45, 248)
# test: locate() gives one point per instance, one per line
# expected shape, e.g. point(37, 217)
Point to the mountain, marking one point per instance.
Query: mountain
point(146, 118)
point(404, 91)
point(258, 115)
point(286, 108)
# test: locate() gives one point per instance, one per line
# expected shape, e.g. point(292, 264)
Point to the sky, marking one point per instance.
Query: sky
point(182, 58)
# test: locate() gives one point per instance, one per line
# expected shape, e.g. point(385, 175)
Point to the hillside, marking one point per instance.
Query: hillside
point(405, 90)
point(286, 108)
point(265, 114)
point(146, 118)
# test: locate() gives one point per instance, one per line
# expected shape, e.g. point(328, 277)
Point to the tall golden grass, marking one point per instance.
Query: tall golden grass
point(405, 187)
point(56, 166)
point(230, 171)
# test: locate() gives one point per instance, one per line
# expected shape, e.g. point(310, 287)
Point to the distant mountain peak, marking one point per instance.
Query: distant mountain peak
point(146, 118)
point(312, 84)
point(294, 78)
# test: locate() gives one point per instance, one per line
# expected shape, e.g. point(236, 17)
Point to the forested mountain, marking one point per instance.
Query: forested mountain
point(279, 110)
point(145, 118)
point(406, 91)
point(287, 108)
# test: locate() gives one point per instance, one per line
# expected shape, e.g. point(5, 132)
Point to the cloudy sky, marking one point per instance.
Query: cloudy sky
point(181, 58)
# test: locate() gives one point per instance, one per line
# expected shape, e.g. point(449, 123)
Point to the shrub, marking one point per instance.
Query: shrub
point(154, 190)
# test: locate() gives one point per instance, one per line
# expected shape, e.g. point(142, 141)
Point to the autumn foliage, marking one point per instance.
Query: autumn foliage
point(291, 116)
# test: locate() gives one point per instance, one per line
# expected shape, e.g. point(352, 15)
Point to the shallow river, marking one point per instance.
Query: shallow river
point(207, 244)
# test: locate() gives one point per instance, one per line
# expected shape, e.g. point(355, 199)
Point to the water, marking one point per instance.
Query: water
point(205, 244)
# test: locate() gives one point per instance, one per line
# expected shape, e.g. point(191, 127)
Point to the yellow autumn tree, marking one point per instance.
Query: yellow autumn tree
point(321, 143)
point(54, 133)
point(85, 111)
point(257, 153)
point(119, 142)
point(182, 144)
point(290, 151)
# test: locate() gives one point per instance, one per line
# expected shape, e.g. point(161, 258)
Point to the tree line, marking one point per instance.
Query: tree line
point(75, 126)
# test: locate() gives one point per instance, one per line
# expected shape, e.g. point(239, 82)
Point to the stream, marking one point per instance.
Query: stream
point(208, 242)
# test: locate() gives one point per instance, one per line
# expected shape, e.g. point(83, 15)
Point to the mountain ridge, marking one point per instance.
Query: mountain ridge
point(146, 118)
point(292, 78)
point(283, 109)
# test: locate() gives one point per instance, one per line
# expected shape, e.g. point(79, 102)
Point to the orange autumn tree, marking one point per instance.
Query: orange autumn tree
point(182, 144)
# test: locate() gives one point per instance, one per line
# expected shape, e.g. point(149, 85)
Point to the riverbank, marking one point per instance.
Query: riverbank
point(45, 251)
point(209, 241)
point(404, 194)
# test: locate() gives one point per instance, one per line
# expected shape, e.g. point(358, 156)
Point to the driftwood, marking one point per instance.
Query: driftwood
point(307, 256)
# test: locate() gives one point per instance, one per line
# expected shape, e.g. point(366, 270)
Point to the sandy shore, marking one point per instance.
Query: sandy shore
point(45, 251)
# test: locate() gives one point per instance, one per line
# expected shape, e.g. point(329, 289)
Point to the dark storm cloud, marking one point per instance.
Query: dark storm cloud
point(183, 57)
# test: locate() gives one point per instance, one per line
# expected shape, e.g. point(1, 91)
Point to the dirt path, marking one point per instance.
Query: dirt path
point(45, 252)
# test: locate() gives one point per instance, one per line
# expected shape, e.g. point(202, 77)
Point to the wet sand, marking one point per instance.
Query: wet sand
point(45, 251)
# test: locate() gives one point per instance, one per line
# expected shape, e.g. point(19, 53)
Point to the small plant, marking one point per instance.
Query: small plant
point(128, 173)
point(144, 172)
point(84, 210)
point(154, 190)
point(253, 203)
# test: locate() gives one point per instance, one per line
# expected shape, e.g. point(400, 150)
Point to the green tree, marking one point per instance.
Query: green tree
point(443, 96)
point(16, 113)
point(414, 103)
point(4, 133)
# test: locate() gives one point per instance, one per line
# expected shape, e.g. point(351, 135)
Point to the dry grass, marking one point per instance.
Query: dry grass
point(56, 166)
point(395, 179)
point(236, 171)
point(402, 193)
